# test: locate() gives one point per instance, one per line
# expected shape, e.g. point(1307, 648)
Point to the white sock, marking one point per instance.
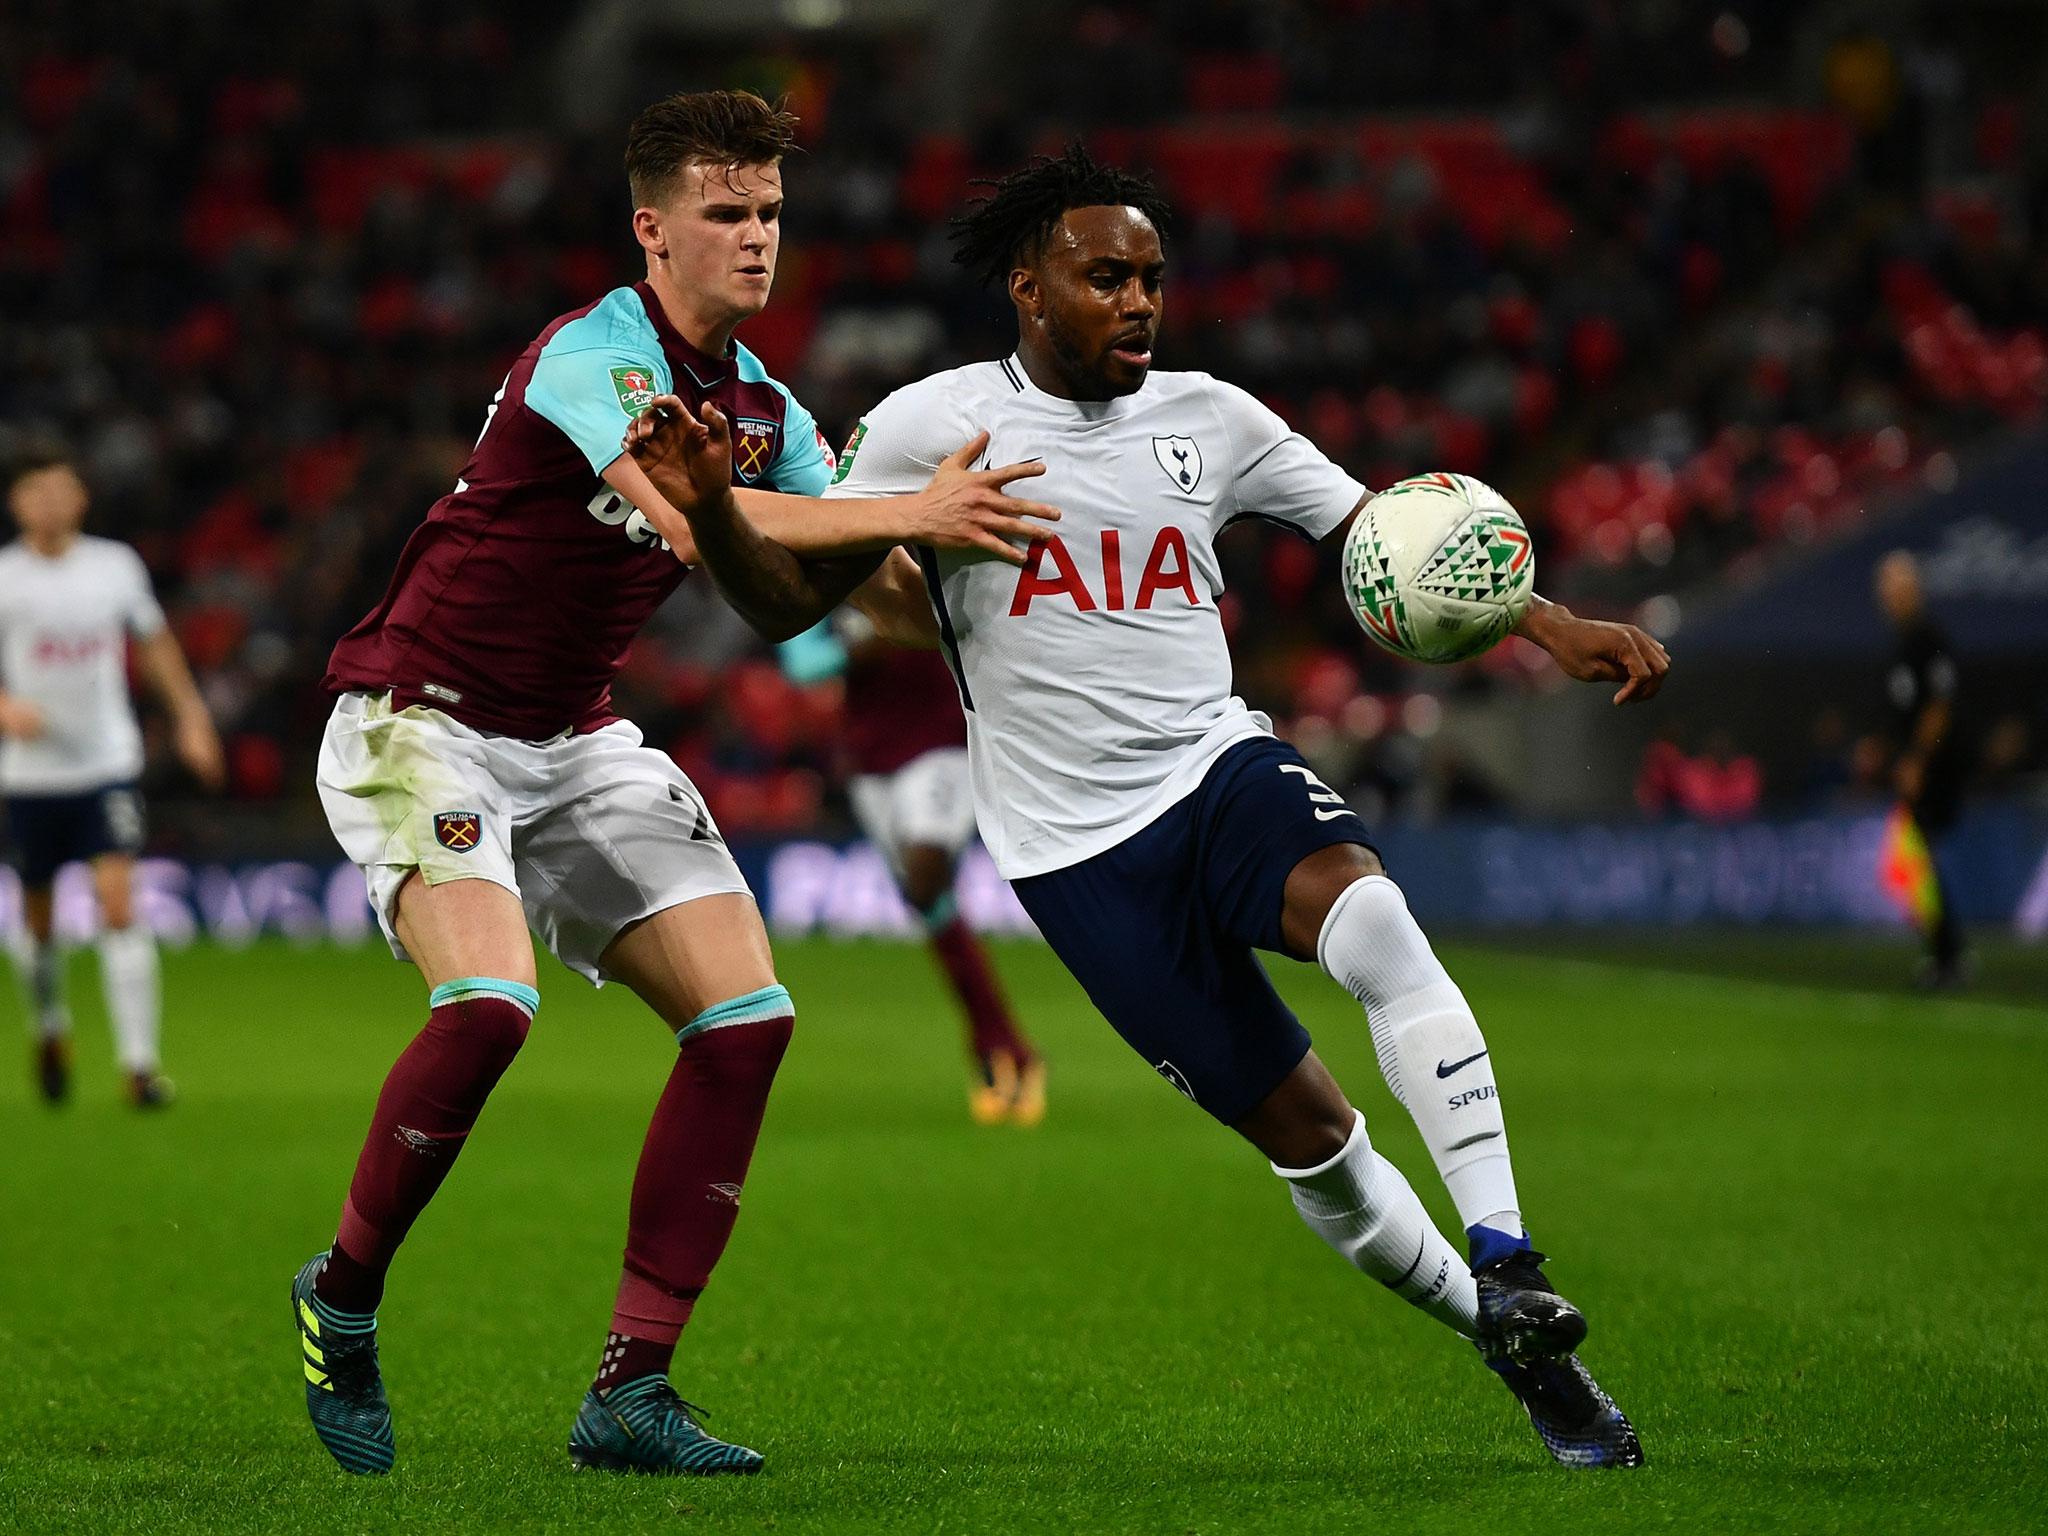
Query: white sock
point(1360, 1205)
point(128, 969)
point(45, 976)
point(1421, 1025)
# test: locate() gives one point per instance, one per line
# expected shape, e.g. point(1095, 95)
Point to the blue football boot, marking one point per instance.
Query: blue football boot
point(1579, 1424)
point(1524, 1318)
point(344, 1391)
point(642, 1426)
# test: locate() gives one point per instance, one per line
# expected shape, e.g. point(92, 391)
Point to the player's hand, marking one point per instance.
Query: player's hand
point(965, 508)
point(197, 744)
point(687, 456)
point(1595, 651)
point(20, 719)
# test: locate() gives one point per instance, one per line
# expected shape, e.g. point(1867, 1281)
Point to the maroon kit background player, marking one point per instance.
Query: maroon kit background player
point(905, 749)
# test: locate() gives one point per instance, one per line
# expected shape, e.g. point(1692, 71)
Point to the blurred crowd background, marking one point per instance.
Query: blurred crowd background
point(1698, 285)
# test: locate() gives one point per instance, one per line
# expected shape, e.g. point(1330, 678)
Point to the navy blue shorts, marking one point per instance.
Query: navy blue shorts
point(46, 832)
point(1160, 930)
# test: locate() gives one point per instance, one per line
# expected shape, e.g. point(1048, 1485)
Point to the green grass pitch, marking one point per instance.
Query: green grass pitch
point(1807, 1222)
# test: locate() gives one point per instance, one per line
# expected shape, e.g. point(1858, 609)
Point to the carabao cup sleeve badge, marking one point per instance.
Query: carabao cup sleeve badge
point(458, 831)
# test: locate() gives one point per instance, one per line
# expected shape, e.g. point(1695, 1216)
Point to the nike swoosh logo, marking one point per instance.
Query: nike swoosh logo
point(1332, 815)
point(1457, 1066)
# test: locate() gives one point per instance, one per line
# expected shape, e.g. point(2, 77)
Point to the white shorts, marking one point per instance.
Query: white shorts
point(927, 802)
point(591, 833)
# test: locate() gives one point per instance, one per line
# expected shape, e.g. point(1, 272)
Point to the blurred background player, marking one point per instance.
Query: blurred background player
point(1929, 764)
point(71, 756)
point(905, 744)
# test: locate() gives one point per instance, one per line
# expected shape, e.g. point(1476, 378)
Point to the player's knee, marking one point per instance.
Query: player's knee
point(1371, 939)
point(750, 1031)
point(927, 880)
point(1309, 1136)
point(1328, 1132)
point(494, 1012)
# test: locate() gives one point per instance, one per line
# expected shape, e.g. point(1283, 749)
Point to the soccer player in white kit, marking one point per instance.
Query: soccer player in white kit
point(1151, 824)
point(71, 753)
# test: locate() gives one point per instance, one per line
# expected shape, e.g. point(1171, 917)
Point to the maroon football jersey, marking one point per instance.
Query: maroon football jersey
point(900, 705)
point(514, 603)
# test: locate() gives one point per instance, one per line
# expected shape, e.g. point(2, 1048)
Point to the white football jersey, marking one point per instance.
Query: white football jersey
point(64, 625)
point(1097, 681)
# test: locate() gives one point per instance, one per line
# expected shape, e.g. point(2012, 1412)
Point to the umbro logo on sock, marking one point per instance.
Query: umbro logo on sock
point(1445, 1070)
point(421, 1142)
point(729, 1193)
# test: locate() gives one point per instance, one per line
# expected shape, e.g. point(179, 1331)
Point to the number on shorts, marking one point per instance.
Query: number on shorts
point(1319, 794)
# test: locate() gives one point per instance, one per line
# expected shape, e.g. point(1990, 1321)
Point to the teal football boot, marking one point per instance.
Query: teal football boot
point(344, 1391)
point(642, 1426)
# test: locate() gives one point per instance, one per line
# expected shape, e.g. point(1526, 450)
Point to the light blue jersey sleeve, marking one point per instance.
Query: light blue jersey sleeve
point(597, 373)
point(804, 467)
point(813, 656)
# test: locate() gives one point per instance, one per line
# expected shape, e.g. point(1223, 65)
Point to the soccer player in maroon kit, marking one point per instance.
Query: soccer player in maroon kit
point(474, 769)
point(906, 744)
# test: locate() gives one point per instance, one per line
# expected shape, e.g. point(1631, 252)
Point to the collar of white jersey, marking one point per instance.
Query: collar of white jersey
point(1083, 410)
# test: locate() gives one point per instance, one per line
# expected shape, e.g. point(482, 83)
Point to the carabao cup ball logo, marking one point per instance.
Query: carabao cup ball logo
point(1438, 568)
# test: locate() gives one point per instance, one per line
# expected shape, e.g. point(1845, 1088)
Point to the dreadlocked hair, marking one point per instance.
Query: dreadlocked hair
point(1011, 223)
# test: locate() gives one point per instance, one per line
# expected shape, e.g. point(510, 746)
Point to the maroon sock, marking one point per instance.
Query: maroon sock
point(991, 1029)
point(686, 1192)
point(431, 1098)
point(628, 1359)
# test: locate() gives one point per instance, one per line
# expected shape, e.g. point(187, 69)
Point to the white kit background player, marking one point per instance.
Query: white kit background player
point(71, 753)
point(1151, 824)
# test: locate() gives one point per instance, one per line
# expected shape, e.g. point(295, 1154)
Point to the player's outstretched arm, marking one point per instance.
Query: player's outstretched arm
point(192, 733)
point(1595, 651)
point(895, 602)
point(962, 508)
point(768, 585)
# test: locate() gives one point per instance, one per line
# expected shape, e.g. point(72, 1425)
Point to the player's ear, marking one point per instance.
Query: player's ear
point(647, 229)
point(1026, 294)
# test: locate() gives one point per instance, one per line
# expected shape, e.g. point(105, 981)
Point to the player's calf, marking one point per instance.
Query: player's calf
point(1358, 1203)
point(1430, 1051)
point(1008, 1085)
point(429, 1104)
point(686, 1200)
point(50, 1058)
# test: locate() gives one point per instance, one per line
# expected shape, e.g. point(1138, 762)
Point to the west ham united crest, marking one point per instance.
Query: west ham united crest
point(753, 447)
point(458, 831)
point(1181, 458)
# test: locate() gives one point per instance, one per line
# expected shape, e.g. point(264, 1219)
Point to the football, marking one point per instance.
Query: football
point(1439, 567)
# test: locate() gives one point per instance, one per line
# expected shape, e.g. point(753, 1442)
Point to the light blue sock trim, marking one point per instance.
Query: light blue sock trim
point(344, 1322)
point(518, 993)
point(940, 912)
point(768, 1003)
